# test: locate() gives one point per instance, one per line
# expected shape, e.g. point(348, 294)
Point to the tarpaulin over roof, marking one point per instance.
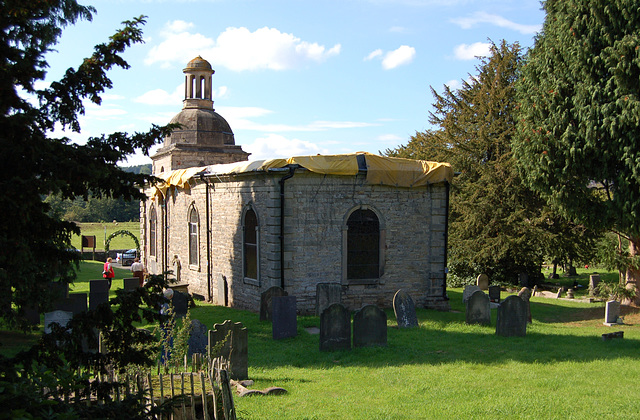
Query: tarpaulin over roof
point(380, 170)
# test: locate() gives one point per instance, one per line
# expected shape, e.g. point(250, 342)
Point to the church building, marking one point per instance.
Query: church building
point(230, 228)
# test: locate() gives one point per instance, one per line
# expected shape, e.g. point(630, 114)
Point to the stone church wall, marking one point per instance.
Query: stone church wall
point(316, 209)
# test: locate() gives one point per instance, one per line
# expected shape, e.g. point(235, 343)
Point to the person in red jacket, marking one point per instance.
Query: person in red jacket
point(108, 272)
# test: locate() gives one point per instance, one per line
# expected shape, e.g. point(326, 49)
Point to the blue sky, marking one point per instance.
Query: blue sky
point(295, 77)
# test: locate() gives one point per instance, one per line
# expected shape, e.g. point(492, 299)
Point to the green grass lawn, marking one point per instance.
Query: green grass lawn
point(444, 369)
point(98, 229)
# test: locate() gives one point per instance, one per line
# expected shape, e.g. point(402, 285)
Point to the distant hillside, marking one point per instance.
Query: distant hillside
point(138, 169)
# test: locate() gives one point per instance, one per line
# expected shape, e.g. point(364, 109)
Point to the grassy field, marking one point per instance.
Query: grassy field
point(99, 229)
point(444, 368)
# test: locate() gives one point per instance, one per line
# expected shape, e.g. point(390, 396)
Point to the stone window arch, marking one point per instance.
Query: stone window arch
point(250, 246)
point(363, 241)
point(153, 231)
point(194, 236)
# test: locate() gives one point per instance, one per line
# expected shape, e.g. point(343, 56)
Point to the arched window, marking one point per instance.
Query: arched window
point(153, 221)
point(250, 245)
point(363, 245)
point(194, 223)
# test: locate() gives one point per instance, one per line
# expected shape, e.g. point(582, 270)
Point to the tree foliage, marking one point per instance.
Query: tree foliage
point(578, 142)
point(34, 163)
point(497, 225)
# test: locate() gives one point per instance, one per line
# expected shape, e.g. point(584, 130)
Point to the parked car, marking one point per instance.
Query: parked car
point(126, 257)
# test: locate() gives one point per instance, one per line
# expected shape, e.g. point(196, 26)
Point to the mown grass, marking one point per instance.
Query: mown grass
point(98, 229)
point(445, 368)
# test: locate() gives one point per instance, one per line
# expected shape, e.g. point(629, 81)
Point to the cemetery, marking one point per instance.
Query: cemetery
point(482, 354)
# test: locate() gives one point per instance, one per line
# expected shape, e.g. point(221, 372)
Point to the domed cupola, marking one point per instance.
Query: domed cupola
point(205, 137)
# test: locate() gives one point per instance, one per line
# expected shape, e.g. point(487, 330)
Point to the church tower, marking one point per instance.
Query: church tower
point(205, 138)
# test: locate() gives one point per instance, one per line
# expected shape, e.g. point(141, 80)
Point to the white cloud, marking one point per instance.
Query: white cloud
point(483, 17)
point(277, 146)
point(238, 49)
point(469, 52)
point(454, 84)
point(399, 57)
point(373, 54)
point(175, 98)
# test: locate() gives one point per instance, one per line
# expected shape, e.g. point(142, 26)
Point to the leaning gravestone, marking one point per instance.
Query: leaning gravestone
point(494, 294)
point(478, 309)
point(265, 301)
point(335, 328)
point(525, 295)
point(326, 295)
point(180, 303)
point(59, 317)
point(512, 317)
point(131, 284)
point(235, 348)
point(98, 293)
point(611, 312)
point(482, 281)
point(198, 338)
point(284, 317)
point(370, 327)
point(468, 291)
point(405, 310)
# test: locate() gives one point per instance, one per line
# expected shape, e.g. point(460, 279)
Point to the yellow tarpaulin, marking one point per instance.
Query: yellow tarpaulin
point(380, 170)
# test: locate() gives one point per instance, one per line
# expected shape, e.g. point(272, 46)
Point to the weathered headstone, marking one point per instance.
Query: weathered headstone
point(611, 312)
point(235, 348)
point(266, 298)
point(525, 295)
point(326, 295)
point(98, 293)
point(405, 310)
point(370, 327)
point(284, 317)
point(76, 303)
point(222, 295)
point(180, 303)
point(59, 317)
point(534, 290)
point(594, 281)
point(131, 284)
point(559, 294)
point(570, 294)
point(478, 309)
point(494, 294)
point(610, 336)
point(468, 291)
point(482, 281)
point(198, 338)
point(512, 317)
point(335, 328)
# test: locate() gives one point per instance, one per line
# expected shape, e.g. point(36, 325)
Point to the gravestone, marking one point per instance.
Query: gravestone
point(59, 317)
point(58, 291)
point(198, 338)
point(405, 310)
point(478, 309)
point(131, 284)
point(326, 295)
point(370, 327)
point(525, 295)
point(594, 281)
point(482, 281)
point(284, 317)
point(468, 291)
point(523, 279)
point(235, 348)
point(570, 294)
point(180, 303)
point(559, 294)
point(266, 297)
point(611, 312)
point(494, 294)
point(76, 303)
point(222, 295)
point(610, 336)
point(335, 328)
point(512, 317)
point(98, 293)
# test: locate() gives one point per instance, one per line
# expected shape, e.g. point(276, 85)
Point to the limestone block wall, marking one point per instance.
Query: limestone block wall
point(413, 222)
